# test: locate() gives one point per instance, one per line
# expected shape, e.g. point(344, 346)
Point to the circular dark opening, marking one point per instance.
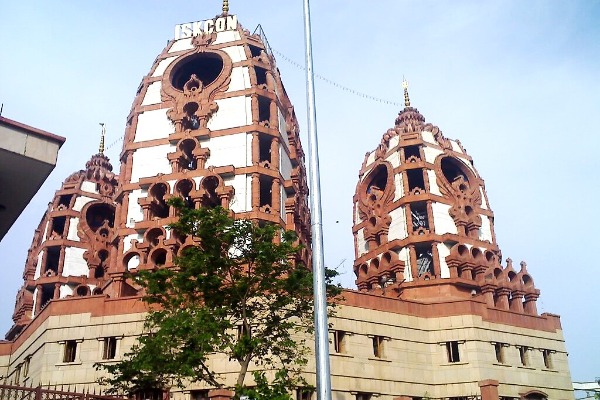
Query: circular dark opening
point(206, 66)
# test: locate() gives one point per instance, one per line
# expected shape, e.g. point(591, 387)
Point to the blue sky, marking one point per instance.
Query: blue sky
point(517, 82)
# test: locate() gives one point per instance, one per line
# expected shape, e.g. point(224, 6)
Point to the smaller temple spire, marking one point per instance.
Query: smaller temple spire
point(406, 98)
point(103, 133)
point(225, 7)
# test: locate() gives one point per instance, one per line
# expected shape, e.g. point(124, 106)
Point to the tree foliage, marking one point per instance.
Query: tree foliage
point(241, 292)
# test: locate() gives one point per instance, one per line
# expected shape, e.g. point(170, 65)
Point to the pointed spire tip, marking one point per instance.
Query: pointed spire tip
point(405, 87)
point(103, 134)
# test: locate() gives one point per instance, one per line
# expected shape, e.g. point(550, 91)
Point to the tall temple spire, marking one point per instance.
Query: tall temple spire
point(406, 98)
point(225, 7)
point(102, 134)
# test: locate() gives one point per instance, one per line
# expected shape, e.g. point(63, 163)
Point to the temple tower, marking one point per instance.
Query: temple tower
point(70, 251)
point(423, 227)
point(211, 123)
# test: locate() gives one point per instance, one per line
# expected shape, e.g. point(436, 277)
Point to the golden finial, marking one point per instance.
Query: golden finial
point(101, 148)
point(225, 7)
point(406, 98)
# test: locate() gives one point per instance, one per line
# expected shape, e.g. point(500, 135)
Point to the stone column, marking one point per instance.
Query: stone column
point(413, 262)
point(502, 296)
point(516, 301)
point(255, 190)
point(489, 389)
point(275, 153)
point(61, 260)
point(255, 148)
point(530, 303)
point(276, 197)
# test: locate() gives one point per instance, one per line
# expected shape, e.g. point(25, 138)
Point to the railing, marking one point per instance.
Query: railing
point(9, 392)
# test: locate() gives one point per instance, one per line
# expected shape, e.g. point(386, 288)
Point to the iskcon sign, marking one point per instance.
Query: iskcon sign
point(190, 29)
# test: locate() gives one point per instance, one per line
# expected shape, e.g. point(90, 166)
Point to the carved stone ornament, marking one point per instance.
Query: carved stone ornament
point(194, 104)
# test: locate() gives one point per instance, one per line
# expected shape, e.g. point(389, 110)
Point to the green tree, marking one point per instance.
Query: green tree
point(241, 291)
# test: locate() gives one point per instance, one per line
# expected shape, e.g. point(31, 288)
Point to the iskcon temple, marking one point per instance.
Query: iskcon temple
point(437, 313)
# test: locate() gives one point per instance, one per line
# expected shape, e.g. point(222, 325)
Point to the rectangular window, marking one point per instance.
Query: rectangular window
point(303, 394)
point(70, 351)
point(524, 355)
point(452, 351)
point(339, 341)
point(547, 354)
point(364, 396)
point(199, 394)
point(499, 349)
point(26, 366)
point(378, 346)
point(17, 378)
point(109, 351)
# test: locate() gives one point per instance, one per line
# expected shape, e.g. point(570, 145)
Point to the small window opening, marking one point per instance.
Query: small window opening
point(70, 351)
point(184, 188)
point(424, 260)
point(25, 368)
point(255, 51)
point(364, 396)
point(17, 377)
point(190, 121)
point(199, 394)
point(159, 257)
point(243, 332)
point(412, 151)
point(148, 394)
point(206, 66)
point(100, 269)
point(499, 350)
point(47, 295)
point(64, 201)
point(153, 236)
point(58, 226)
point(188, 161)
point(210, 198)
point(547, 354)
point(82, 290)
point(418, 212)
point(524, 355)
point(264, 109)
point(452, 352)
point(109, 348)
point(52, 259)
point(378, 346)
point(415, 179)
point(159, 207)
point(304, 394)
point(264, 145)
point(261, 75)
point(339, 341)
point(266, 185)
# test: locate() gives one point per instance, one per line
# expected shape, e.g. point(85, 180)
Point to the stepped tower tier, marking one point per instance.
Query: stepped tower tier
point(71, 248)
point(211, 123)
point(423, 228)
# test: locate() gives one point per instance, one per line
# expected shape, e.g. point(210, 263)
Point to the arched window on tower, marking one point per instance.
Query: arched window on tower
point(183, 189)
point(188, 161)
point(210, 198)
point(159, 207)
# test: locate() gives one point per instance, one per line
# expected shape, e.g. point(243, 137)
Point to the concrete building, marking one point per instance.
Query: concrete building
point(437, 314)
point(27, 156)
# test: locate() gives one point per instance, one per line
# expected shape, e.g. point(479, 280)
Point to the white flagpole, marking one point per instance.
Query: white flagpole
point(318, 263)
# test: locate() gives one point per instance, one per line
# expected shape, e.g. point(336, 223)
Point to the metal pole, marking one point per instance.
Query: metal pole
point(318, 263)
